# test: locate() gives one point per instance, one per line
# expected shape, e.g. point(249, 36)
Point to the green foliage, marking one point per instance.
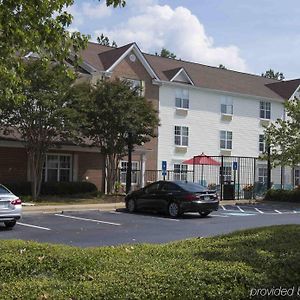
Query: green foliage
point(44, 116)
point(284, 136)
point(273, 75)
point(283, 195)
point(104, 40)
point(27, 26)
point(222, 67)
point(224, 267)
point(115, 110)
point(166, 53)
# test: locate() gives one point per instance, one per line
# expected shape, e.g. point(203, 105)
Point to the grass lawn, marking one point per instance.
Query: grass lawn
point(224, 267)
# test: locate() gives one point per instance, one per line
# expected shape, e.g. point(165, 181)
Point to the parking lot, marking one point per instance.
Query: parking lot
point(99, 228)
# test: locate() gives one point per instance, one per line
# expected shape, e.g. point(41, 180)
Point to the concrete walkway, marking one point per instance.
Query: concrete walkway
point(31, 209)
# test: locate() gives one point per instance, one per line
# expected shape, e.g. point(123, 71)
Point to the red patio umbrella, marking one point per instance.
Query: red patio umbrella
point(201, 159)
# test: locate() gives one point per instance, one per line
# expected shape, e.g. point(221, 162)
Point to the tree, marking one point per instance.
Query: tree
point(27, 26)
point(166, 53)
point(283, 136)
point(44, 116)
point(104, 40)
point(272, 75)
point(115, 112)
point(222, 67)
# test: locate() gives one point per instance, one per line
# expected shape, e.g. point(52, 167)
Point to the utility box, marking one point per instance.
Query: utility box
point(228, 191)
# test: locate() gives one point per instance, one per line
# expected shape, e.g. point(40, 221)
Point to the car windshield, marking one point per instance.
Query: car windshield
point(191, 186)
point(3, 190)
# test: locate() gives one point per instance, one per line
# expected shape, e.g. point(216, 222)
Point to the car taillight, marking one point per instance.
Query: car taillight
point(191, 197)
point(16, 202)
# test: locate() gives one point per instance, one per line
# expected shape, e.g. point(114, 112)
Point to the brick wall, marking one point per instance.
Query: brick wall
point(91, 165)
point(135, 70)
point(13, 164)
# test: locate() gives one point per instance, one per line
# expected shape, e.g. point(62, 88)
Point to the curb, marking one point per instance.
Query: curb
point(71, 207)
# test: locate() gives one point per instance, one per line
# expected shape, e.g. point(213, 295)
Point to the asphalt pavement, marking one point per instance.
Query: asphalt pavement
point(88, 228)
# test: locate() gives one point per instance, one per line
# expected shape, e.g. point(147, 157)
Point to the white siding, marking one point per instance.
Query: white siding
point(205, 121)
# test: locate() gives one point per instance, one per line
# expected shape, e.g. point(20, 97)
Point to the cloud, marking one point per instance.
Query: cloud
point(156, 26)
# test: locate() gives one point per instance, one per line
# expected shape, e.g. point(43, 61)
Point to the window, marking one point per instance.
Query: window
point(182, 98)
point(57, 168)
point(169, 186)
point(134, 172)
point(227, 172)
point(226, 140)
point(152, 188)
point(265, 110)
point(263, 174)
point(297, 177)
point(227, 106)
point(181, 136)
point(262, 143)
point(180, 172)
point(137, 84)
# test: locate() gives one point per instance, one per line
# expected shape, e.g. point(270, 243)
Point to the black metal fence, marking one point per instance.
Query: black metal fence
point(234, 177)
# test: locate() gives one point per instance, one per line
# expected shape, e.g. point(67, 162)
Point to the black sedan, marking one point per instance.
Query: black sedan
point(173, 197)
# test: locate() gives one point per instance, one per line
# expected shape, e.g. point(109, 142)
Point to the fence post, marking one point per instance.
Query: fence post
point(193, 168)
point(238, 177)
point(254, 176)
point(222, 177)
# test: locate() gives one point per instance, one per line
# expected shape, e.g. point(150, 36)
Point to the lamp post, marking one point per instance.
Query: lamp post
point(129, 163)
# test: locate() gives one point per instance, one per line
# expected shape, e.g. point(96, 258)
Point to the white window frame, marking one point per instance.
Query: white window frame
point(134, 171)
point(136, 83)
point(46, 168)
point(263, 174)
point(181, 136)
point(226, 140)
point(227, 106)
point(182, 99)
point(265, 109)
point(261, 143)
point(180, 172)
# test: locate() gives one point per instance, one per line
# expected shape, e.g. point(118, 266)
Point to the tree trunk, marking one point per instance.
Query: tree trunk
point(111, 172)
point(36, 163)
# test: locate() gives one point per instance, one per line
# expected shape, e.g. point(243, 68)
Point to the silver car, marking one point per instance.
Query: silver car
point(10, 207)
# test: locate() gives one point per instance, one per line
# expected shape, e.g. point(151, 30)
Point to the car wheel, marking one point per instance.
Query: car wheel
point(10, 224)
point(204, 213)
point(174, 210)
point(131, 206)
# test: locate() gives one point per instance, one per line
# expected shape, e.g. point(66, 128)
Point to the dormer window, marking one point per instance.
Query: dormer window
point(182, 99)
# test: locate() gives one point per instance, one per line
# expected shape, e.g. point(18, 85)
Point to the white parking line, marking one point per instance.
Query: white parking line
point(115, 212)
point(279, 212)
point(222, 216)
point(90, 220)
point(261, 212)
point(223, 207)
point(160, 218)
point(33, 226)
point(240, 209)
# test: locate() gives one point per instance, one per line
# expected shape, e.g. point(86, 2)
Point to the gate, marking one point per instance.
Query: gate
point(234, 177)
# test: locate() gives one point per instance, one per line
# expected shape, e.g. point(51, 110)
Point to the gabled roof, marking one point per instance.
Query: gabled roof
point(104, 59)
point(215, 78)
point(286, 89)
point(110, 57)
point(175, 74)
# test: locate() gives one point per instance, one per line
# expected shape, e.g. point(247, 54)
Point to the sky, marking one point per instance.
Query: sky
point(247, 36)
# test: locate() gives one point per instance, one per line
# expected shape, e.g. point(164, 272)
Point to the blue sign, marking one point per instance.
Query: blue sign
point(164, 167)
point(235, 165)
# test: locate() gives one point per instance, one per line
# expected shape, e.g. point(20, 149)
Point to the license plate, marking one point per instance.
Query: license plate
point(206, 198)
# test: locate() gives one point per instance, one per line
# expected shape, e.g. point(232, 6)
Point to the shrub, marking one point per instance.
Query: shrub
point(54, 188)
point(225, 267)
point(67, 188)
point(283, 195)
